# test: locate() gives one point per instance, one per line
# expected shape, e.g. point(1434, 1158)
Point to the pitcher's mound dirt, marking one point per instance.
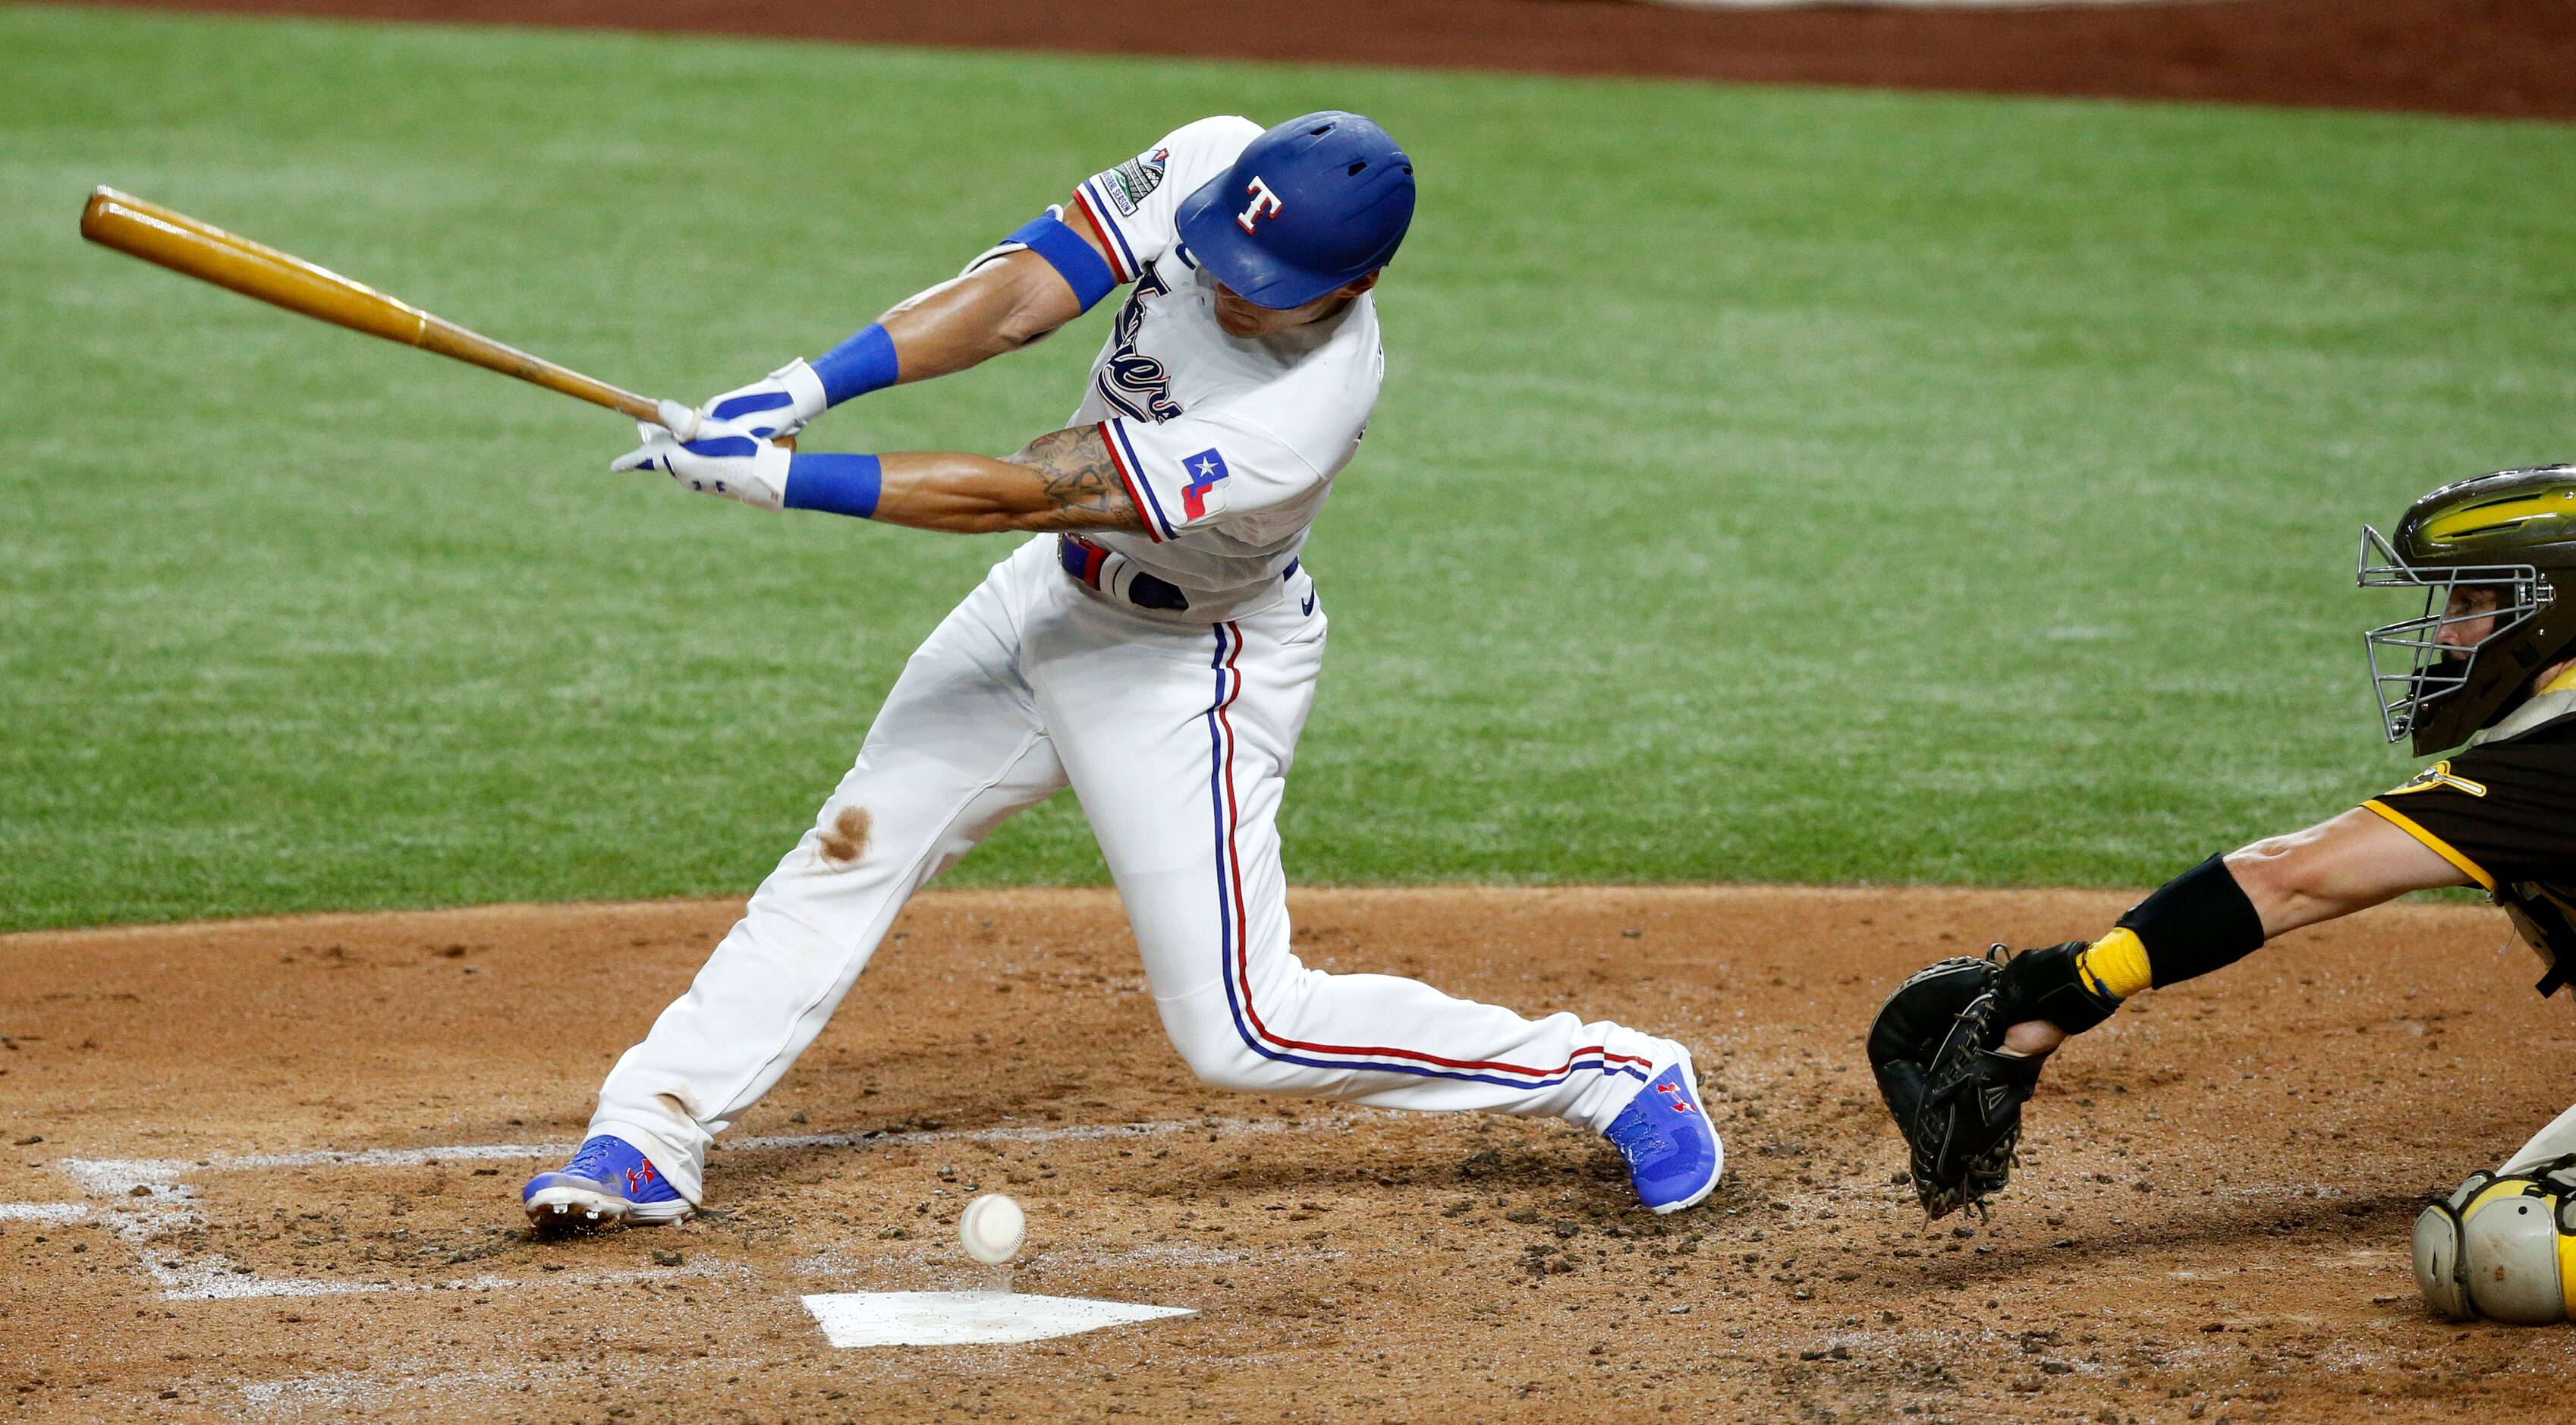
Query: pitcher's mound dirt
point(2211, 1223)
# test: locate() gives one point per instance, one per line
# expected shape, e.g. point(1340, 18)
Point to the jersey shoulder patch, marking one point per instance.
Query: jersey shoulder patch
point(1129, 184)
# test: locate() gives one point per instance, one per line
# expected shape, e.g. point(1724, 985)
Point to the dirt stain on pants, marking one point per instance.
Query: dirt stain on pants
point(847, 840)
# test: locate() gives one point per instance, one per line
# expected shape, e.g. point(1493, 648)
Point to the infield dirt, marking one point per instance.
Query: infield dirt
point(2495, 57)
point(2211, 1222)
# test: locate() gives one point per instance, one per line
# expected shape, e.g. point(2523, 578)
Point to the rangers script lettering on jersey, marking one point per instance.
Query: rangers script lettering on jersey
point(1286, 411)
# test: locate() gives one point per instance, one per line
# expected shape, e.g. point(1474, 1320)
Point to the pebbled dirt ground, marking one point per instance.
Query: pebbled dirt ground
point(2211, 1223)
point(2496, 57)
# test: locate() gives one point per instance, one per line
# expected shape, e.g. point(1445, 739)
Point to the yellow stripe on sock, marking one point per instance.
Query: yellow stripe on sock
point(2116, 964)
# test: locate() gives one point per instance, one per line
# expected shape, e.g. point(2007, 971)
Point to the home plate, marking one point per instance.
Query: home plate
point(967, 1318)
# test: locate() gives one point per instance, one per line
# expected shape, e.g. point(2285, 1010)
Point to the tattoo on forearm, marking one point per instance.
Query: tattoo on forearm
point(1082, 486)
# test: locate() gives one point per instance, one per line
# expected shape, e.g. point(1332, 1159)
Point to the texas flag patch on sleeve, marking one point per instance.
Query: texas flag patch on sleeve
point(1204, 494)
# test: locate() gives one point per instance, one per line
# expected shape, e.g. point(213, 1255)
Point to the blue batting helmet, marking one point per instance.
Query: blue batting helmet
point(1312, 204)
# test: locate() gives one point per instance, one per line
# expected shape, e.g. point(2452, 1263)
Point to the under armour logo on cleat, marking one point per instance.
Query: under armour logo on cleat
point(1679, 1104)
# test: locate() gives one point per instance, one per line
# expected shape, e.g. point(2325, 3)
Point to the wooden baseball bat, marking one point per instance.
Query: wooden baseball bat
point(206, 252)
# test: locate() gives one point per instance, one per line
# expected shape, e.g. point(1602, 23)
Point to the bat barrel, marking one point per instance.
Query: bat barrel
point(172, 239)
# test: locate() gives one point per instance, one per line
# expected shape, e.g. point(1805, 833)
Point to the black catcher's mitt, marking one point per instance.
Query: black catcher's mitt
point(1956, 1100)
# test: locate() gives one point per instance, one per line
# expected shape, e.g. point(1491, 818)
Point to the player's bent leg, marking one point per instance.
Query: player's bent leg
point(1206, 752)
point(2558, 1140)
point(1390, 1042)
point(2502, 1247)
point(777, 977)
point(2481, 1252)
point(955, 750)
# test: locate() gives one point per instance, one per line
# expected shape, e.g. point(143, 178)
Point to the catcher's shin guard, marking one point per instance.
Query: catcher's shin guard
point(2502, 1247)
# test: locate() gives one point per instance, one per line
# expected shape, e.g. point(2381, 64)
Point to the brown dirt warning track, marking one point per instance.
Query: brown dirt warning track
point(267, 1170)
point(2496, 57)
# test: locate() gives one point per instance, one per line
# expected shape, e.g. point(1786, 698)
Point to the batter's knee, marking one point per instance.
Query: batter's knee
point(1221, 1058)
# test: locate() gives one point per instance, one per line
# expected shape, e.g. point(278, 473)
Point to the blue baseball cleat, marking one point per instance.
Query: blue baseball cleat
point(608, 1181)
point(1673, 1154)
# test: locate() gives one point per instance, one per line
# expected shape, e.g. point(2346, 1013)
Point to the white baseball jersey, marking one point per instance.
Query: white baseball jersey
point(1228, 446)
point(1176, 730)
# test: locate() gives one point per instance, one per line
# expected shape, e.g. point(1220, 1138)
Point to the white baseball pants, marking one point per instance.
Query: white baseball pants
point(2555, 1141)
point(1177, 737)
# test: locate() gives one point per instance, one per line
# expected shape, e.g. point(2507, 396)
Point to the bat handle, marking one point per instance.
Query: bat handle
point(682, 421)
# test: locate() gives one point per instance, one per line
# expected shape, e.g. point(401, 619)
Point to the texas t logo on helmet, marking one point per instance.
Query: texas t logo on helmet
point(1265, 204)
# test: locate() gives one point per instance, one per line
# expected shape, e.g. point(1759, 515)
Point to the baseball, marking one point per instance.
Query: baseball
point(992, 1228)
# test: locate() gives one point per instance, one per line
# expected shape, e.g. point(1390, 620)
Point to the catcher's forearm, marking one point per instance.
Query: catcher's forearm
point(2225, 908)
point(2199, 921)
point(2344, 864)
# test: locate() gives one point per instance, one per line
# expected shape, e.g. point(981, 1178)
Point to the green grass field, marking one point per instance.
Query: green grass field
point(1771, 484)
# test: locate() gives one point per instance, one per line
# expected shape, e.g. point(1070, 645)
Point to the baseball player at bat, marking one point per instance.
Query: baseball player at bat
point(2491, 663)
point(1155, 648)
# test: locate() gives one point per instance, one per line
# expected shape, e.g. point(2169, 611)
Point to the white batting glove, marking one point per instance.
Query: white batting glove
point(778, 404)
point(738, 467)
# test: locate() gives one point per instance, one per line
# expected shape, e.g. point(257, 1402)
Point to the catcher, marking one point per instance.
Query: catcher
point(2491, 663)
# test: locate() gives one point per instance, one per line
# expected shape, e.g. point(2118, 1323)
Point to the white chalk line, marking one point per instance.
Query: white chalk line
point(340, 1395)
point(51, 1212)
point(151, 1197)
point(153, 1172)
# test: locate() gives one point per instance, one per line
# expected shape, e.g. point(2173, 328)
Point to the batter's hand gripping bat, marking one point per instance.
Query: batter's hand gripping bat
point(206, 252)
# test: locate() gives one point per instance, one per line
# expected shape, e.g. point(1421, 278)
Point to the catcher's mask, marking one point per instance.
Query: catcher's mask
point(2506, 534)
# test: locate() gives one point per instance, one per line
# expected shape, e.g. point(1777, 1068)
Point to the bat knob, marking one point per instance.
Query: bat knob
point(681, 421)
